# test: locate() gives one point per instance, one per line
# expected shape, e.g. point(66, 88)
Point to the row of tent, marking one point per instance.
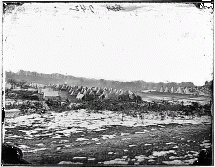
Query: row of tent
point(85, 90)
point(101, 93)
point(178, 90)
point(105, 94)
point(25, 86)
point(80, 92)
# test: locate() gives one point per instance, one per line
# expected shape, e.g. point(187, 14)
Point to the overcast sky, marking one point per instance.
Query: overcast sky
point(150, 42)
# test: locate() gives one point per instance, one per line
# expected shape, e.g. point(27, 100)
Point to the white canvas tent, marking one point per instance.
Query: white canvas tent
point(166, 89)
point(91, 92)
point(117, 93)
point(105, 92)
point(172, 90)
point(121, 92)
point(99, 92)
point(110, 95)
point(187, 91)
point(79, 96)
point(179, 90)
point(161, 89)
point(85, 92)
point(114, 91)
point(8, 86)
point(71, 89)
point(94, 89)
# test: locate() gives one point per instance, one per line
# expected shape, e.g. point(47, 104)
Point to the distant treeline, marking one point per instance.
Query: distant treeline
point(71, 80)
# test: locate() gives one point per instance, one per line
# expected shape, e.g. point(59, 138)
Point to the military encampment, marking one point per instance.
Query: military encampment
point(107, 84)
point(64, 120)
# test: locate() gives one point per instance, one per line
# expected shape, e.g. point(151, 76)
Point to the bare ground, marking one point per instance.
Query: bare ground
point(181, 138)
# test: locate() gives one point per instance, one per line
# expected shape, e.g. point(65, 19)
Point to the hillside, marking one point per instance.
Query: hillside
point(71, 80)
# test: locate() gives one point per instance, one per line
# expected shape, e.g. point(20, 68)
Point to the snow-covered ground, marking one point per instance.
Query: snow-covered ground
point(82, 119)
point(61, 126)
point(54, 124)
